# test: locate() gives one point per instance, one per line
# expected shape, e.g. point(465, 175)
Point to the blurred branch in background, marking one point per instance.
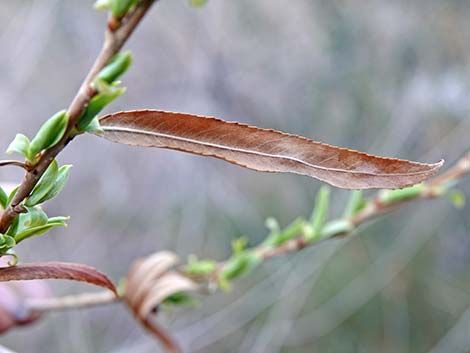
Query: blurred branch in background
point(147, 290)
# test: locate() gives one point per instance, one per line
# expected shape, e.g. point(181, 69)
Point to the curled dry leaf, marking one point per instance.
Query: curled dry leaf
point(57, 270)
point(149, 282)
point(262, 150)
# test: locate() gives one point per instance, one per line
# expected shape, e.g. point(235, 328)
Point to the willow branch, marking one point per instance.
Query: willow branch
point(115, 37)
point(373, 208)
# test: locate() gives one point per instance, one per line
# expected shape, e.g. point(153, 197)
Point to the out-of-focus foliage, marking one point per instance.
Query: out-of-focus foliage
point(390, 78)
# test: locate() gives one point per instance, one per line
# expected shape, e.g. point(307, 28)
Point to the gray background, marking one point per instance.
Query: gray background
point(387, 77)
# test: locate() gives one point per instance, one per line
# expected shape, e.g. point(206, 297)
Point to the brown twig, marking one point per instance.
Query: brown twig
point(83, 300)
point(14, 163)
point(114, 39)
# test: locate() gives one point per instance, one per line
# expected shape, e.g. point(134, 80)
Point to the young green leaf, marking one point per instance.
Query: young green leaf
point(58, 221)
point(181, 299)
point(291, 231)
point(102, 4)
point(3, 198)
point(6, 243)
point(44, 186)
point(38, 230)
point(335, 227)
point(13, 228)
point(240, 264)
point(34, 217)
point(97, 104)
point(391, 196)
point(355, 203)
point(94, 127)
point(262, 150)
point(61, 180)
point(239, 244)
point(320, 213)
point(20, 145)
point(49, 133)
point(12, 194)
point(273, 225)
point(120, 7)
point(197, 3)
point(117, 67)
point(196, 267)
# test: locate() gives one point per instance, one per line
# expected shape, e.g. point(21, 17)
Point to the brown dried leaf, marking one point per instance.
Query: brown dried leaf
point(262, 149)
point(145, 272)
point(168, 284)
point(148, 283)
point(56, 270)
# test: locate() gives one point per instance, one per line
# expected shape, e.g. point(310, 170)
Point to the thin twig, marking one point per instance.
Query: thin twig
point(375, 207)
point(78, 301)
point(14, 163)
point(114, 39)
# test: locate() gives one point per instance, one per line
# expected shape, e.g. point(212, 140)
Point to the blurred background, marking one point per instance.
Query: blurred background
point(386, 77)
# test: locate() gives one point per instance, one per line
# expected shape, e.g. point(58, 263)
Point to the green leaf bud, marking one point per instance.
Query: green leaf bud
point(239, 244)
point(291, 231)
point(50, 133)
point(61, 180)
point(45, 184)
point(116, 67)
point(3, 198)
point(181, 299)
point(335, 227)
point(355, 203)
point(273, 225)
point(119, 8)
point(319, 214)
point(240, 264)
point(388, 197)
point(97, 103)
point(20, 145)
point(197, 3)
point(196, 267)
